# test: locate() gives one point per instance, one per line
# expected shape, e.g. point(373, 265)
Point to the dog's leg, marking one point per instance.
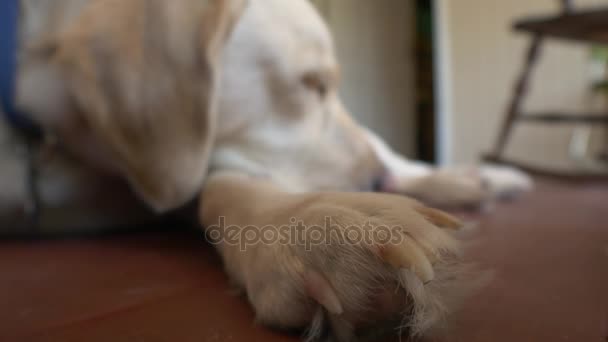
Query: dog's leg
point(451, 186)
point(334, 261)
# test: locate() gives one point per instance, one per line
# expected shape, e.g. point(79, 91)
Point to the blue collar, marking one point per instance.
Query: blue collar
point(9, 49)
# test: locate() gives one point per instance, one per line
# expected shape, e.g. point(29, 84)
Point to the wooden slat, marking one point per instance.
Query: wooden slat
point(585, 26)
point(566, 118)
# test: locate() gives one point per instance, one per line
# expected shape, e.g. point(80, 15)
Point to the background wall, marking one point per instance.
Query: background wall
point(482, 58)
point(375, 42)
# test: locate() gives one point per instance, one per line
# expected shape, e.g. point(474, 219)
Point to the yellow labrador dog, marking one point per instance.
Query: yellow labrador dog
point(151, 103)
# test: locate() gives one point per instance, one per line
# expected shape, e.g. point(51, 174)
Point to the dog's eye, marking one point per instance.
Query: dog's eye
point(315, 82)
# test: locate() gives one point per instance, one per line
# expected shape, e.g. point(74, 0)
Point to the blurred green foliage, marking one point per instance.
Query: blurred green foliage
point(599, 54)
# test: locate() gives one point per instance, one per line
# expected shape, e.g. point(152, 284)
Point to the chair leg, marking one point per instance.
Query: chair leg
point(519, 94)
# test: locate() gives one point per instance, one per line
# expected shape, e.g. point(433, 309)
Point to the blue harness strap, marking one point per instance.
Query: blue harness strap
point(9, 49)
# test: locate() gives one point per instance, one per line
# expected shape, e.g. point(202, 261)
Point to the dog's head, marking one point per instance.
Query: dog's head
point(280, 113)
point(140, 79)
point(147, 99)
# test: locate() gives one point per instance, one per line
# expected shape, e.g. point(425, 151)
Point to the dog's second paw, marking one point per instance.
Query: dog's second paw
point(455, 187)
point(340, 262)
point(471, 186)
point(505, 182)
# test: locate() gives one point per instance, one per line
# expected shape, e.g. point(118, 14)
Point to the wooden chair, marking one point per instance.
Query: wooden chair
point(590, 26)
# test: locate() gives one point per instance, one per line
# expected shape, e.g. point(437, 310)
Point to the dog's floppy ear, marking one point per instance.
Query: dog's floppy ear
point(142, 75)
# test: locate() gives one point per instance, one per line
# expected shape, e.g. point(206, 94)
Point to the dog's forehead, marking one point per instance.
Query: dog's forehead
point(300, 16)
point(285, 26)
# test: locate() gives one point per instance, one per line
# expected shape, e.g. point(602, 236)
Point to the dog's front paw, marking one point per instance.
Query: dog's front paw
point(339, 262)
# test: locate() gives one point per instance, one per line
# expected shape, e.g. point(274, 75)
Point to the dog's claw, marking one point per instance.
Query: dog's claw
point(322, 292)
point(440, 218)
point(408, 255)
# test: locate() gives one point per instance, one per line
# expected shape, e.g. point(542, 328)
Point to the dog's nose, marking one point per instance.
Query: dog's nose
point(385, 182)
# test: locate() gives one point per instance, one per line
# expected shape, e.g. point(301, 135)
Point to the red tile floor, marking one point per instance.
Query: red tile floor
point(549, 251)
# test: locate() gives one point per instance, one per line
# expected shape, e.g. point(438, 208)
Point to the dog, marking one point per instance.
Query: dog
point(146, 105)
